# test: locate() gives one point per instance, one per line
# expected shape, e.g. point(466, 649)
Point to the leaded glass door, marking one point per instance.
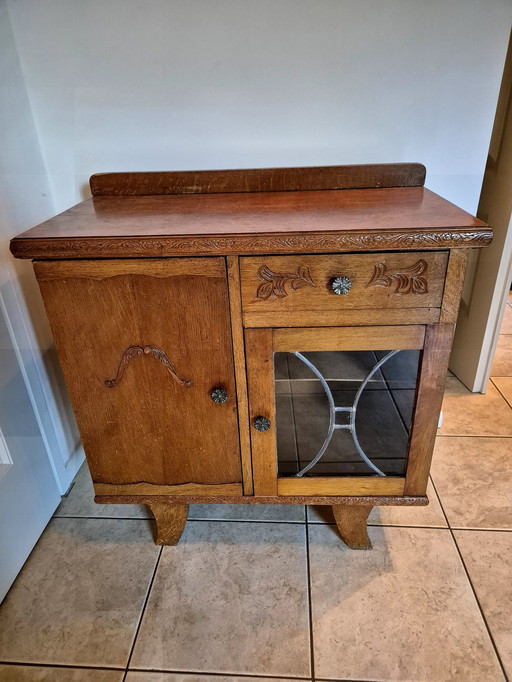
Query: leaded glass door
point(332, 409)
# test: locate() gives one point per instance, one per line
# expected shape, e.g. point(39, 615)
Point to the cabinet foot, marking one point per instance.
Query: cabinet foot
point(351, 521)
point(170, 522)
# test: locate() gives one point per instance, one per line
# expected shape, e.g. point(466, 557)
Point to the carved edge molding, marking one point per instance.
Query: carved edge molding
point(376, 500)
point(133, 352)
point(406, 280)
point(274, 283)
point(108, 247)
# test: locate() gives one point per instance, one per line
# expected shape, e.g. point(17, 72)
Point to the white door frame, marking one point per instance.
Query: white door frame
point(490, 273)
point(65, 455)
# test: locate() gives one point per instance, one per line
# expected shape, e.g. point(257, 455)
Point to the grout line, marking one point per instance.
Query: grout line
point(275, 521)
point(116, 518)
point(142, 612)
point(484, 530)
point(493, 643)
point(301, 523)
point(310, 602)
point(498, 389)
point(385, 525)
point(339, 679)
point(62, 665)
point(103, 518)
point(260, 676)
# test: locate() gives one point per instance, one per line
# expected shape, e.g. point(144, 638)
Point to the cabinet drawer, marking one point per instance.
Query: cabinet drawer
point(400, 288)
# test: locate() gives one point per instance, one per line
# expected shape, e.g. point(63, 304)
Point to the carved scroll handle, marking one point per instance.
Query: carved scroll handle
point(133, 352)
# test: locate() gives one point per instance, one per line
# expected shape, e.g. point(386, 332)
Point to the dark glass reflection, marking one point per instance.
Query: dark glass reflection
point(383, 415)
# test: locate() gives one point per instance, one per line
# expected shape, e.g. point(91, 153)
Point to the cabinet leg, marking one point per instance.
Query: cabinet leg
point(170, 522)
point(351, 521)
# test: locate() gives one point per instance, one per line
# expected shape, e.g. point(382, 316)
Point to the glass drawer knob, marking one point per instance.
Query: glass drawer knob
point(262, 424)
point(341, 285)
point(219, 395)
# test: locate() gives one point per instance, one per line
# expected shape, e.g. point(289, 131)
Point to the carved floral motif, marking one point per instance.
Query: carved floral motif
point(406, 280)
point(133, 352)
point(274, 283)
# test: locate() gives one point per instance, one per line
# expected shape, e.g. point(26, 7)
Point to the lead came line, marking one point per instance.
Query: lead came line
point(351, 426)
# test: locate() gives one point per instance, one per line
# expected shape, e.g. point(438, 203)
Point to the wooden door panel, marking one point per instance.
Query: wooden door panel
point(131, 335)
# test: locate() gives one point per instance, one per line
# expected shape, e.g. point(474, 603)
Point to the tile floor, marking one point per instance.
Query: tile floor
point(270, 592)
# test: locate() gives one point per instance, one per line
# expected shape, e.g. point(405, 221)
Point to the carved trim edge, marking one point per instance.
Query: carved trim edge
point(37, 247)
point(132, 352)
point(274, 283)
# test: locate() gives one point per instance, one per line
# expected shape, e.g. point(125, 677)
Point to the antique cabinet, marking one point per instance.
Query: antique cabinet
point(274, 336)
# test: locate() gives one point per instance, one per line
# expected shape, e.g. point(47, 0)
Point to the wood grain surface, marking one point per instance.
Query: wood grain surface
point(341, 318)
point(453, 285)
point(170, 522)
point(147, 428)
point(237, 332)
point(348, 338)
point(351, 522)
point(260, 380)
point(152, 490)
point(429, 397)
point(258, 179)
point(365, 500)
point(304, 282)
point(341, 485)
point(405, 218)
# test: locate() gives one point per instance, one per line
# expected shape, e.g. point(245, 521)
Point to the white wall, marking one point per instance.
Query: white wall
point(189, 84)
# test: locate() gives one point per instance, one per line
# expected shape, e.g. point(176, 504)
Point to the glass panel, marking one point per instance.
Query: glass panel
point(344, 413)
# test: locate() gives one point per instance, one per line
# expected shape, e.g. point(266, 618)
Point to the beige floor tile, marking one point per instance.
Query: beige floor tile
point(488, 558)
point(432, 515)
point(504, 385)
point(25, 673)
point(138, 676)
point(506, 325)
point(401, 611)
point(473, 478)
point(80, 502)
point(474, 414)
point(78, 598)
point(502, 364)
point(230, 598)
point(248, 512)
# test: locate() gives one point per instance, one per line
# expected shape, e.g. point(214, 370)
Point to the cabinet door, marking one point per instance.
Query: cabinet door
point(143, 344)
point(345, 411)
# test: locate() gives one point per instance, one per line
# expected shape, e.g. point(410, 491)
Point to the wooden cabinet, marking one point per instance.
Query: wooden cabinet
point(176, 300)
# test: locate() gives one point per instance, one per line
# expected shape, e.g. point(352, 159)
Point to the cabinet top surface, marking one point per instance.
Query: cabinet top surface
point(252, 222)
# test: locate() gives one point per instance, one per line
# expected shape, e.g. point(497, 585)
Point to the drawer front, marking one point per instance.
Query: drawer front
point(278, 285)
